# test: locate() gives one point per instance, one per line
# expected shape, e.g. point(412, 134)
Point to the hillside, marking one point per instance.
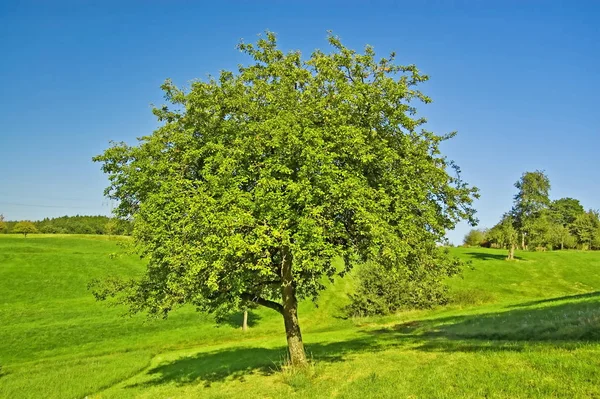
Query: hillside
point(515, 329)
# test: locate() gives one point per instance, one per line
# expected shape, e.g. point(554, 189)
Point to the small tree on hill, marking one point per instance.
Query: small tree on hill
point(505, 235)
point(531, 198)
point(258, 180)
point(25, 227)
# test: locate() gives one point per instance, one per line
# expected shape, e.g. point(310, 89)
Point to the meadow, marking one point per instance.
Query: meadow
point(521, 329)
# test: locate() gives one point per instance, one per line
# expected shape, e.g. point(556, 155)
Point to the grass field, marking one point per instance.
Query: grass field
point(529, 328)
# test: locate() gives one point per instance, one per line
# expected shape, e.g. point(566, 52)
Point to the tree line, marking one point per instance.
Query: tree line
point(78, 224)
point(536, 222)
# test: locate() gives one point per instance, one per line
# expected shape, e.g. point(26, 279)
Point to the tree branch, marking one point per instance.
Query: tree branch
point(264, 302)
point(272, 283)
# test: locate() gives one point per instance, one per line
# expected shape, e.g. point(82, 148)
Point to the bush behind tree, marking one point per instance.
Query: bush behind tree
point(411, 285)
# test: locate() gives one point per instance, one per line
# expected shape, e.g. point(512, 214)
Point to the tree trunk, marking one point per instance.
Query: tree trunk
point(523, 241)
point(245, 322)
point(290, 312)
point(511, 252)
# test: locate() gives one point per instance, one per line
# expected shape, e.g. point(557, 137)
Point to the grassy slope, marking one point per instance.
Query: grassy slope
point(519, 329)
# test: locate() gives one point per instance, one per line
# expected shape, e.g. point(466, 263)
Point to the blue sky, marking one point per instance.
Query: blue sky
point(518, 80)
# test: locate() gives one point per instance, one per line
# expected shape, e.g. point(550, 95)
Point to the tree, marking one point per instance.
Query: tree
point(561, 237)
point(245, 309)
point(543, 231)
point(2, 224)
point(245, 322)
point(475, 237)
point(25, 227)
point(595, 244)
point(505, 235)
point(110, 227)
point(48, 229)
point(531, 198)
point(566, 210)
point(585, 228)
point(258, 180)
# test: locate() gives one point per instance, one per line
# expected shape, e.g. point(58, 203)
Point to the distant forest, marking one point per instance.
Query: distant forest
point(537, 223)
point(74, 225)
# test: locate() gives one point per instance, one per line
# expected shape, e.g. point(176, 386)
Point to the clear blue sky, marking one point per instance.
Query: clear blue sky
point(518, 80)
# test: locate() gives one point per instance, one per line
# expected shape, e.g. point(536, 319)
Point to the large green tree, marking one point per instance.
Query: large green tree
point(2, 224)
point(259, 179)
point(532, 197)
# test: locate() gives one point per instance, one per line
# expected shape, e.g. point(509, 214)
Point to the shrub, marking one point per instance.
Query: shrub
point(414, 285)
point(475, 237)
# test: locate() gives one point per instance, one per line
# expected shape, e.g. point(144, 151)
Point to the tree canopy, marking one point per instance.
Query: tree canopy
point(566, 210)
point(505, 234)
point(531, 198)
point(258, 180)
point(25, 227)
point(586, 228)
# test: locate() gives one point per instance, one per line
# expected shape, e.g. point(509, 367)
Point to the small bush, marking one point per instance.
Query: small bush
point(476, 238)
point(414, 285)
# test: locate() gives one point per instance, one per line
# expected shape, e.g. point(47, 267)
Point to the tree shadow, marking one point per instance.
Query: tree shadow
point(488, 256)
point(557, 299)
point(566, 325)
point(577, 321)
point(210, 367)
point(235, 320)
point(470, 346)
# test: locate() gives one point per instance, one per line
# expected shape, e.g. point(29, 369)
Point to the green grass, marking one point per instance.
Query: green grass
point(528, 328)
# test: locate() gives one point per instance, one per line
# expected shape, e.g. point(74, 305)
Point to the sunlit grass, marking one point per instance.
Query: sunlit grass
point(514, 329)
